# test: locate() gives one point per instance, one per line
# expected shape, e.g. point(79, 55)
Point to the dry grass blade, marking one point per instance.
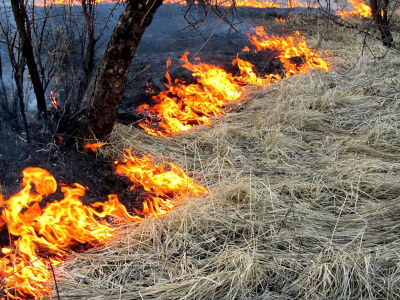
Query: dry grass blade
point(304, 201)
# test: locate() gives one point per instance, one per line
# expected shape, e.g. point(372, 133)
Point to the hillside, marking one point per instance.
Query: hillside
point(304, 192)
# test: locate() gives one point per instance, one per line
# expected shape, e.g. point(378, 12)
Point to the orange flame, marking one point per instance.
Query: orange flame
point(248, 76)
point(94, 146)
point(294, 3)
point(238, 3)
point(169, 63)
point(149, 88)
point(283, 20)
point(360, 9)
point(68, 2)
point(54, 98)
point(289, 48)
point(42, 237)
point(252, 3)
point(183, 105)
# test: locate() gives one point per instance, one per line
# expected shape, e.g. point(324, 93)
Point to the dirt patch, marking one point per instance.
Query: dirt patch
point(67, 166)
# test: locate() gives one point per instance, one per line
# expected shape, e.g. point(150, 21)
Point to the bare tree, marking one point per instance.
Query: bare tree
point(379, 10)
point(24, 31)
point(13, 105)
point(104, 94)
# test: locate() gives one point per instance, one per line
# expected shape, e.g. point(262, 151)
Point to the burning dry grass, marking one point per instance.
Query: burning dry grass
point(304, 196)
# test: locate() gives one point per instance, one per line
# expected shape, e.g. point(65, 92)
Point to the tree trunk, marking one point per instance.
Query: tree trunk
point(379, 13)
point(105, 91)
point(18, 77)
point(21, 20)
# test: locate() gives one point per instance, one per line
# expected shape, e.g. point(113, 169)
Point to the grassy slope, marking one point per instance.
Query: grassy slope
point(304, 202)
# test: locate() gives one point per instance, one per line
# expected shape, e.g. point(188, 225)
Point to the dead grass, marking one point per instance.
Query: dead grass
point(304, 194)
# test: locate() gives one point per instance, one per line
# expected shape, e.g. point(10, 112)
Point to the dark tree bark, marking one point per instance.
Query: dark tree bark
point(22, 22)
point(18, 78)
point(379, 13)
point(105, 91)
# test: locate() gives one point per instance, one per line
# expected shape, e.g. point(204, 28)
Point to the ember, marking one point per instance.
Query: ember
point(42, 237)
point(54, 98)
point(94, 146)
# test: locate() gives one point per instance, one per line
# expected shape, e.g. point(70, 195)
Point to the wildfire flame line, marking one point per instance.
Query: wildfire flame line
point(44, 236)
point(183, 105)
point(360, 9)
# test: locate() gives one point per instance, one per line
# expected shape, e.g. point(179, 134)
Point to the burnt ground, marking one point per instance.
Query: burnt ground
point(68, 166)
point(214, 41)
point(163, 40)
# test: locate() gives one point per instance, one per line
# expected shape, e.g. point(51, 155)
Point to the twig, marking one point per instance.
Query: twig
point(137, 76)
point(55, 281)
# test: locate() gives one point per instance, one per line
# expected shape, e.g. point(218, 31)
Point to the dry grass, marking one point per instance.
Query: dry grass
point(304, 194)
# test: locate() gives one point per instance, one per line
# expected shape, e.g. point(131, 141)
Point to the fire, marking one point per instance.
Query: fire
point(289, 48)
point(182, 2)
point(43, 237)
point(248, 76)
point(94, 146)
point(184, 105)
point(295, 3)
point(54, 98)
point(252, 3)
point(149, 88)
point(169, 63)
point(68, 2)
point(360, 10)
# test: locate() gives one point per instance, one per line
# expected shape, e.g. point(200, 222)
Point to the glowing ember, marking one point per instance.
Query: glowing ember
point(43, 237)
point(360, 9)
point(94, 146)
point(54, 98)
point(149, 88)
